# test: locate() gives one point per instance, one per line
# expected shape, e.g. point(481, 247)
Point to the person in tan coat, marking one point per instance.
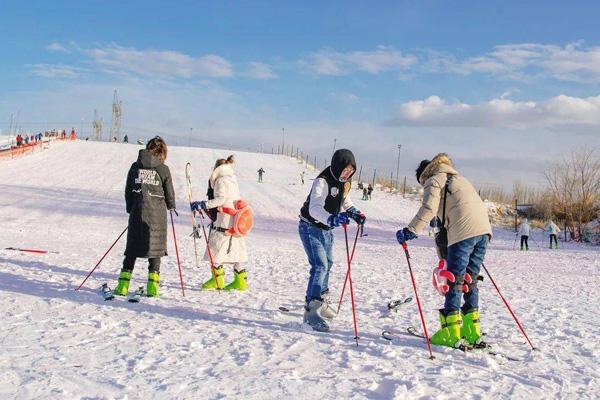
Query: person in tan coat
point(466, 231)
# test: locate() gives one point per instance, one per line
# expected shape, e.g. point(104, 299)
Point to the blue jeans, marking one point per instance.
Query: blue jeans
point(318, 245)
point(465, 256)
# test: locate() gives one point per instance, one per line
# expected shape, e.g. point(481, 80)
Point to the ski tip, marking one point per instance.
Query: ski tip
point(387, 335)
point(284, 309)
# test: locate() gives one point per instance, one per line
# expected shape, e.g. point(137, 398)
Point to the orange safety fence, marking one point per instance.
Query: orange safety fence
point(17, 151)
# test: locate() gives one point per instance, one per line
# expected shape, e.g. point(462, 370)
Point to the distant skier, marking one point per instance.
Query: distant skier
point(524, 232)
point(370, 191)
point(125, 139)
point(224, 192)
point(467, 229)
point(365, 192)
point(148, 195)
point(553, 230)
point(302, 176)
point(260, 174)
point(327, 206)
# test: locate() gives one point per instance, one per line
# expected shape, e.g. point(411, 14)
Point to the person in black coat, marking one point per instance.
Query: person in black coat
point(148, 195)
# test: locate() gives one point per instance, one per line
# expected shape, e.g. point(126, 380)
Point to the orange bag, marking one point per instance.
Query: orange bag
point(243, 219)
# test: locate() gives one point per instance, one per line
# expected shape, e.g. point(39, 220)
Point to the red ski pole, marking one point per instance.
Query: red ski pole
point(177, 253)
point(348, 272)
point(508, 306)
point(212, 263)
point(350, 280)
point(414, 285)
point(107, 251)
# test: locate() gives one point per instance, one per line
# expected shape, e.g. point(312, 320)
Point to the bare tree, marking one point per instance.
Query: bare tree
point(575, 187)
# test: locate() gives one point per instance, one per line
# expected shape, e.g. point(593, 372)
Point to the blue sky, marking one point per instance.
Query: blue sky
point(504, 87)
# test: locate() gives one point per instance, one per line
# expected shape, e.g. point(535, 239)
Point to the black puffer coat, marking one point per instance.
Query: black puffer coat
point(148, 195)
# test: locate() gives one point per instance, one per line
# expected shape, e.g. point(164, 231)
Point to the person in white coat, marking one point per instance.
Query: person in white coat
point(524, 232)
point(553, 230)
point(224, 248)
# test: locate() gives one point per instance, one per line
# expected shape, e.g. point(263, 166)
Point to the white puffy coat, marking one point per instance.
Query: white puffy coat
point(552, 228)
point(225, 249)
point(524, 228)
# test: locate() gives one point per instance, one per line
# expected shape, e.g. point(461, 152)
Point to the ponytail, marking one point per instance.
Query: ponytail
point(222, 161)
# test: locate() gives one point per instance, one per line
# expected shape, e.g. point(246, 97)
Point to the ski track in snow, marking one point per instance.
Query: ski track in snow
point(61, 344)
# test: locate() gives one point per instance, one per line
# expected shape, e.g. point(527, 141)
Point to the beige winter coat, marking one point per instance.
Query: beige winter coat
point(466, 215)
point(225, 249)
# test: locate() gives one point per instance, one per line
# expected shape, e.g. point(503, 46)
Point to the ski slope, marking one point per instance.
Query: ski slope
point(61, 344)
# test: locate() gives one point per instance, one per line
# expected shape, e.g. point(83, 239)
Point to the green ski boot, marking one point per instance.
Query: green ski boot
point(152, 287)
point(239, 281)
point(219, 283)
point(123, 285)
point(471, 329)
point(449, 334)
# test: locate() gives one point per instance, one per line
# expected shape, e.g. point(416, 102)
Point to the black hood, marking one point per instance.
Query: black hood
point(340, 160)
point(148, 160)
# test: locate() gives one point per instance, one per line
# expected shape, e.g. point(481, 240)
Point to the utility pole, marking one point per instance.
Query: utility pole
point(115, 129)
point(97, 125)
point(334, 143)
point(282, 139)
point(190, 141)
point(374, 175)
point(398, 169)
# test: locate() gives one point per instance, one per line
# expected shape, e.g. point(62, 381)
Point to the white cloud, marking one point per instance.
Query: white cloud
point(55, 70)
point(573, 62)
point(56, 47)
point(258, 70)
point(521, 61)
point(161, 63)
point(551, 113)
point(383, 58)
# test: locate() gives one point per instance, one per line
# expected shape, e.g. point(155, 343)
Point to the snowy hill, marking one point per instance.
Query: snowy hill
point(62, 344)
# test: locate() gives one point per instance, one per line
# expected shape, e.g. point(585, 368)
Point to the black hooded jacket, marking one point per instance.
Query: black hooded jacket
point(148, 195)
point(337, 191)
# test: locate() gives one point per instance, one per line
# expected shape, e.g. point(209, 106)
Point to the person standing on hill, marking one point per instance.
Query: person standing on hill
point(466, 229)
point(225, 249)
point(327, 206)
point(553, 230)
point(524, 232)
point(148, 195)
point(260, 174)
point(370, 191)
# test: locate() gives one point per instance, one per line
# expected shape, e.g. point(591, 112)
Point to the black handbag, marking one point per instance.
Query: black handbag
point(441, 238)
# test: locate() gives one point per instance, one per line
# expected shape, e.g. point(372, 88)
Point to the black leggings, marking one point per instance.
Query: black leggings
point(524, 239)
point(153, 264)
point(553, 237)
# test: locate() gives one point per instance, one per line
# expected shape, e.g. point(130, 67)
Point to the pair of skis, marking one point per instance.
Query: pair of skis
point(195, 225)
point(108, 294)
point(195, 231)
point(392, 307)
point(411, 330)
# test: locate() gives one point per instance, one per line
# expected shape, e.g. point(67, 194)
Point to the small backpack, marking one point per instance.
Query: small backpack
point(243, 219)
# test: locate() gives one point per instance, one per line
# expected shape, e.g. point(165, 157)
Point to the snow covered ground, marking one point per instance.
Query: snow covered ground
point(61, 344)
